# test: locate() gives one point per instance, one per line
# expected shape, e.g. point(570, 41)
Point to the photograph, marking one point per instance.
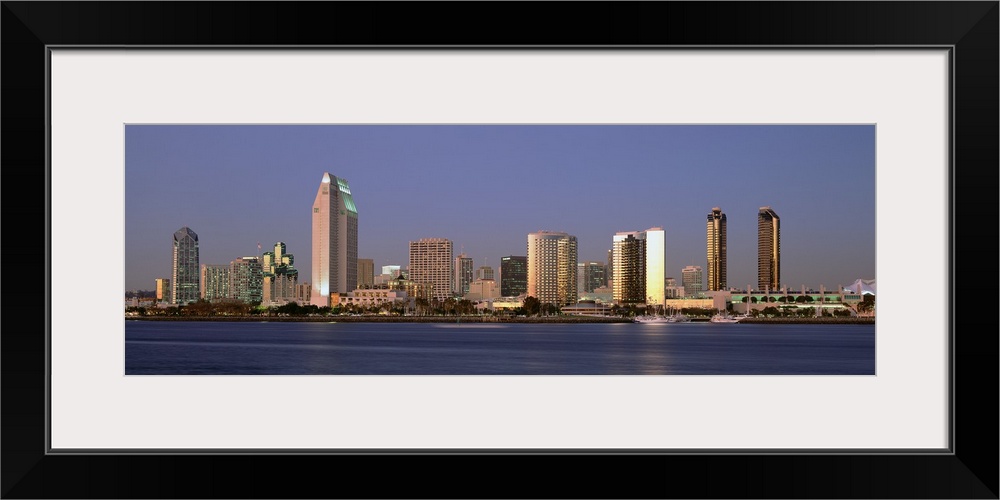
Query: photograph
point(613, 250)
point(500, 249)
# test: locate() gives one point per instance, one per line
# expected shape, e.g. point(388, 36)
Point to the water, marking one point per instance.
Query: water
point(243, 348)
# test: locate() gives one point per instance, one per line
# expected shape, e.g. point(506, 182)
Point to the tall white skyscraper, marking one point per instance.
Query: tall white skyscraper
point(639, 262)
point(334, 240)
point(552, 267)
point(185, 277)
point(431, 264)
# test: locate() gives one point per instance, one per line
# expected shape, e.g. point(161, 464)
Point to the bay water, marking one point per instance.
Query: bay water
point(309, 348)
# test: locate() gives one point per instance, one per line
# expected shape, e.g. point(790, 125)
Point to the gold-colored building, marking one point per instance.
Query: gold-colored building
point(768, 249)
point(716, 249)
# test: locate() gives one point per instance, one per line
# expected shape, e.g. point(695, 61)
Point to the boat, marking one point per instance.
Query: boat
point(680, 318)
point(654, 319)
point(724, 318)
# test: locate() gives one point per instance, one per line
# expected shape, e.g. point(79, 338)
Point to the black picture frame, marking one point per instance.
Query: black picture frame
point(969, 28)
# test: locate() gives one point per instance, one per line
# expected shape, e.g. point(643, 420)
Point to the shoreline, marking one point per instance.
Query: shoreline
point(485, 319)
point(389, 319)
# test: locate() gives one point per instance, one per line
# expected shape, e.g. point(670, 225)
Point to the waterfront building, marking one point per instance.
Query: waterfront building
point(412, 288)
point(280, 276)
point(246, 280)
point(184, 279)
point(600, 295)
point(505, 304)
point(513, 275)
point(822, 301)
point(366, 273)
point(463, 274)
point(334, 240)
point(483, 289)
point(691, 280)
point(768, 249)
point(552, 267)
point(639, 259)
point(484, 273)
point(368, 297)
point(716, 249)
point(214, 282)
point(162, 289)
point(587, 308)
point(431, 263)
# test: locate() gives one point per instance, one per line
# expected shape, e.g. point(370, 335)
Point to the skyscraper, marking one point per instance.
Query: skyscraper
point(691, 279)
point(768, 249)
point(463, 274)
point(716, 236)
point(246, 280)
point(366, 273)
point(334, 240)
point(214, 282)
point(280, 275)
point(639, 261)
point(184, 277)
point(591, 275)
point(513, 275)
point(609, 269)
point(552, 267)
point(431, 264)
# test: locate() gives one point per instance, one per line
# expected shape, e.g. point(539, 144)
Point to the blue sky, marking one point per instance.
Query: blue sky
point(485, 187)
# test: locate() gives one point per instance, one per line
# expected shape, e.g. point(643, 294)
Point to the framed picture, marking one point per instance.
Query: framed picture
point(924, 93)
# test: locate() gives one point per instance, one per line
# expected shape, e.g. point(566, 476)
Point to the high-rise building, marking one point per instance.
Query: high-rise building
point(552, 267)
point(768, 249)
point(163, 289)
point(639, 260)
point(716, 245)
point(392, 271)
point(280, 275)
point(431, 264)
point(334, 240)
point(691, 280)
point(214, 282)
point(484, 273)
point(591, 275)
point(366, 273)
point(609, 268)
point(463, 274)
point(513, 275)
point(184, 278)
point(246, 280)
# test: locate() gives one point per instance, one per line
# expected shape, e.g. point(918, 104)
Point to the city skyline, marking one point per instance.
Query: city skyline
point(426, 181)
